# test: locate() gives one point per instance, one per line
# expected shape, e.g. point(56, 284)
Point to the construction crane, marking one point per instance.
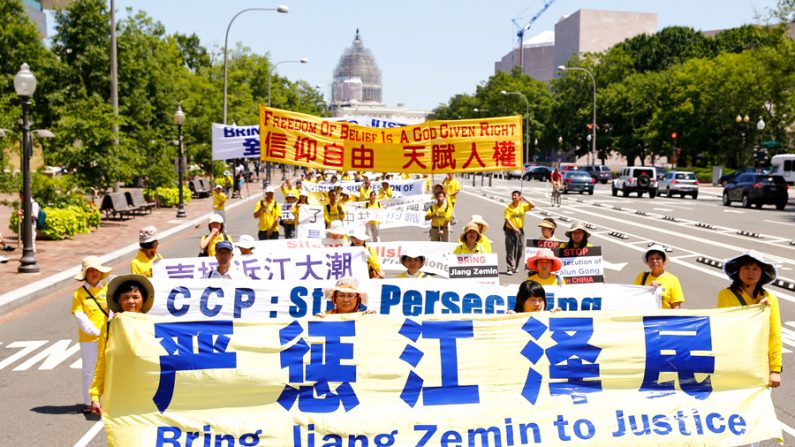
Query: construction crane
point(521, 29)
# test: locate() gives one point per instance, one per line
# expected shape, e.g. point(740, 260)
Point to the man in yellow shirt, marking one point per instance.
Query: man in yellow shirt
point(287, 187)
point(514, 230)
point(440, 214)
point(451, 187)
point(219, 201)
point(268, 212)
point(333, 210)
point(147, 254)
point(365, 190)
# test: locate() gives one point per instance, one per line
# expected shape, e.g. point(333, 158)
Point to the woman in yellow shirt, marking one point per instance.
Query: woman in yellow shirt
point(413, 260)
point(90, 309)
point(129, 293)
point(147, 254)
point(470, 241)
point(655, 258)
point(578, 236)
point(749, 272)
point(544, 264)
point(483, 227)
point(359, 239)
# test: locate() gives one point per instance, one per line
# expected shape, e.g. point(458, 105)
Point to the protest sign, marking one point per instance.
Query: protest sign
point(231, 141)
point(578, 378)
point(481, 267)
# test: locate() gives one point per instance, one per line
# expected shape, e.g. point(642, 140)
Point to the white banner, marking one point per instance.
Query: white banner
point(436, 262)
point(201, 299)
point(235, 141)
point(400, 188)
point(270, 263)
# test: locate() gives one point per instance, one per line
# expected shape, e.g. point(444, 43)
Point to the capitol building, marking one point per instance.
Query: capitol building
point(356, 91)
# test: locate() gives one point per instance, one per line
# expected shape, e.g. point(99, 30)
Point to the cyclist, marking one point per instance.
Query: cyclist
point(556, 178)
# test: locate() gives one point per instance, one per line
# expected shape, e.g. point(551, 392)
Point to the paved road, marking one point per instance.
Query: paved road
point(39, 362)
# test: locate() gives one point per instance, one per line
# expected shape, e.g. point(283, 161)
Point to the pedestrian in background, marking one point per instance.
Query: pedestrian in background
point(372, 226)
point(287, 221)
point(749, 274)
point(269, 213)
point(34, 216)
point(228, 182)
point(208, 241)
point(219, 201)
point(514, 230)
point(333, 210)
point(655, 258)
point(90, 309)
point(147, 252)
point(451, 188)
point(440, 214)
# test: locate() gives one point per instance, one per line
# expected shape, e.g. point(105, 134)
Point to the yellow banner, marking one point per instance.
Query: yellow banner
point(473, 145)
point(575, 378)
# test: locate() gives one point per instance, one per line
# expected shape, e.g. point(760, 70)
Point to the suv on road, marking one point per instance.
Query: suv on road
point(756, 189)
point(639, 179)
point(600, 173)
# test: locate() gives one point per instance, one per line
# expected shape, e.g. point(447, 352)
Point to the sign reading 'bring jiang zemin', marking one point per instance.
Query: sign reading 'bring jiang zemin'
point(474, 145)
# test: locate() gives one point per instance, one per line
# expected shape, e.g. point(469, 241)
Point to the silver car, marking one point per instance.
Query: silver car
point(683, 183)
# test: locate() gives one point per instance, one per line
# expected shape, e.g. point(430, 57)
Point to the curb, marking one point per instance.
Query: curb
point(24, 295)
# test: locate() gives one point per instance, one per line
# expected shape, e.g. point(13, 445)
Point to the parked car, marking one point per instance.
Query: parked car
point(639, 179)
point(541, 173)
point(513, 173)
point(599, 173)
point(577, 181)
point(728, 178)
point(683, 183)
point(756, 189)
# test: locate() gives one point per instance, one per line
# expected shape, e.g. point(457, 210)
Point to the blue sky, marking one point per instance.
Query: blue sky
point(427, 50)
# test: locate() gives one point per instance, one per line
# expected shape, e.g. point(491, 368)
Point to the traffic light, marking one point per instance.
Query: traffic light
point(590, 126)
point(673, 135)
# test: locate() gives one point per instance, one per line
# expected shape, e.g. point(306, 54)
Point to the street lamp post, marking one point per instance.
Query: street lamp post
point(25, 86)
point(760, 126)
point(742, 121)
point(593, 80)
point(526, 122)
point(281, 8)
point(179, 120)
point(303, 60)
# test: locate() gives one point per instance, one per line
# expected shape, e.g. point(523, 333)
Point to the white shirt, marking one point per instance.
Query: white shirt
point(232, 273)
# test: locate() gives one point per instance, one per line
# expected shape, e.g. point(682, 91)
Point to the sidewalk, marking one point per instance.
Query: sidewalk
point(113, 241)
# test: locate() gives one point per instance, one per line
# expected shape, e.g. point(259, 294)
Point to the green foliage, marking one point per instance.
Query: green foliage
point(168, 197)
point(65, 223)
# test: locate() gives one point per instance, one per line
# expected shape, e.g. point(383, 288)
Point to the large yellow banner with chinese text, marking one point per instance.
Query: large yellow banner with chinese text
point(685, 378)
point(472, 145)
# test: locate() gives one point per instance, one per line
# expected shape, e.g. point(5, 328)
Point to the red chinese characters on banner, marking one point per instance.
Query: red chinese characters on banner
point(442, 155)
point(413, 153)
point(505, 153)
point(362, 157)
point(334, 155)
point(276, 145)
point(305, 149)
point(473, 155)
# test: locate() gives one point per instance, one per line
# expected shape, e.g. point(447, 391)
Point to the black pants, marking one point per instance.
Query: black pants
point(289, 230)
point(262, 235)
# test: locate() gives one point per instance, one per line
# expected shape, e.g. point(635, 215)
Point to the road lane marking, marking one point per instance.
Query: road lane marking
point(779, 222)
point(90, 434)
point(734, 211)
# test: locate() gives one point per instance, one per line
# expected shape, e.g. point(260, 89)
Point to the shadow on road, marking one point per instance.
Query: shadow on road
point(58, 409)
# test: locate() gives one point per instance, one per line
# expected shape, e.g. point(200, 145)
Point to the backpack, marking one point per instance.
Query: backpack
point(41, 219)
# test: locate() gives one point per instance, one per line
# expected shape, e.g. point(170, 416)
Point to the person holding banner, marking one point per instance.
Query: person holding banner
point(655, 258)
point(147, 254)
point(578, 236)
point(386, 191)
point(548, 227)
point(470, 241)
point(287, 219)
point(129, 293)
point(219, 201)
point(365, 189)
point(372, 226)
point(413, 260)
point(287, 187)
point(440, 214)
point(483, 227)
point(749, 272)
point(90, 309)
point(345, 196)
point(245, 243)
point(208, 241)
point(269, 213)
point(346, 298)
point(514, 230)
point(336, 235)
point(531, 297)
point(333, 210)
point(224, 252)
point(544, 264)
point(358, 239)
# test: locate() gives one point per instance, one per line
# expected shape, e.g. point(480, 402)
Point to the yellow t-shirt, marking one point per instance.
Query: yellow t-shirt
point(364, 193)
point(286, 190)
point(727, 298)
point(451, 187)
point(485, 242)
point(215, 240)
point(672, 289)
point(385, 193)
point(97, 387)
point(552, 280)
point(374, 205)
point(462, 249)
point(440, 216)
point(142, 265)
point(81, 302)
point(219, 201)
point(373, 262)
point(336, 212)
point(267, 220)
point(565, 245)
point(515, 214)
point(405, 274)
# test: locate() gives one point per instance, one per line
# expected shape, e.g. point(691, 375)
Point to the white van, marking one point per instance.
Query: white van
point(784, 165)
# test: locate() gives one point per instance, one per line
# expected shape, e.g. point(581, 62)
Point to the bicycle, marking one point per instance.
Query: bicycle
point(555, 195)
